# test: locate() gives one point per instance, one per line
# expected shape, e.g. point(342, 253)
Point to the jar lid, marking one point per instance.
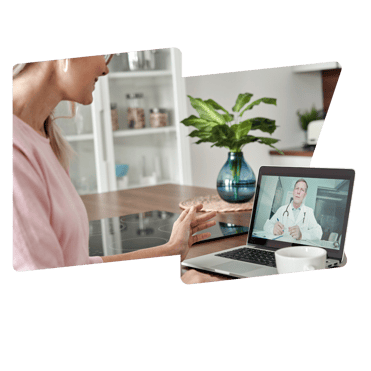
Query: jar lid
point(157, 110)
point(134, 95)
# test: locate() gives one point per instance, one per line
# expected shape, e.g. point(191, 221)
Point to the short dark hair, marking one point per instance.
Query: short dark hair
point(301, 180)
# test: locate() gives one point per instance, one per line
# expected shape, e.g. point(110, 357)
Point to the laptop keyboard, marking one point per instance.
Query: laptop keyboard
point(248, 255)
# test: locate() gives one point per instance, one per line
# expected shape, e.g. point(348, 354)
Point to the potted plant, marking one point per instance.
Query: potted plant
point(309, 116)
point(236, 180)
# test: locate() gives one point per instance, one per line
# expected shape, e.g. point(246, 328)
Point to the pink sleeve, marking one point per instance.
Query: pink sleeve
point(35, 245)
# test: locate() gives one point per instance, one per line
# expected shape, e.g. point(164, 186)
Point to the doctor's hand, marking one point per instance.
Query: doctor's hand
point(187, 224)
point(295, 232)
point(278, 228)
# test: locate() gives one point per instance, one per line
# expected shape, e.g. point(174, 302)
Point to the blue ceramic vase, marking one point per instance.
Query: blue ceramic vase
point(236, 180)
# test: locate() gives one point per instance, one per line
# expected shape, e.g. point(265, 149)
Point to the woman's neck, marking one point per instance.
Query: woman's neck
point(35, 95)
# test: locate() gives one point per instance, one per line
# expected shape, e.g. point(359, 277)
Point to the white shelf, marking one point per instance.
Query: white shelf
point(148, 148)
point(316, 67)
point(144, 131)
point(136, 74)
point(81, 137)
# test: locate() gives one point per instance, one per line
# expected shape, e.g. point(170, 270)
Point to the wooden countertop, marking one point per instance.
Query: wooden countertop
point(160, 197)
point(297, 151)
point(167, 198)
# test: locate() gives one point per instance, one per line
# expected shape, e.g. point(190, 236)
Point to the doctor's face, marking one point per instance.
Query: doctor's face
point(300, 191)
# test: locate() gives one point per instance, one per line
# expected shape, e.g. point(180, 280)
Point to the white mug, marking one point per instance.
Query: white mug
point(300, 259)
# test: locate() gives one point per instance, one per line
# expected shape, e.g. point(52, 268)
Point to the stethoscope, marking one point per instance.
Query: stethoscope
point(287, 211)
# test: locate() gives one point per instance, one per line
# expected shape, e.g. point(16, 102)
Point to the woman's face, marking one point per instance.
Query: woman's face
point(79, 75)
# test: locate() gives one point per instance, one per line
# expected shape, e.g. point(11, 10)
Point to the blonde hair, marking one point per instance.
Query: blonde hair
point(60, 146)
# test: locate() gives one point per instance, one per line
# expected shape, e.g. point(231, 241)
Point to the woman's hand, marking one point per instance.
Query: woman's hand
point(187, 224)
point(192, 276)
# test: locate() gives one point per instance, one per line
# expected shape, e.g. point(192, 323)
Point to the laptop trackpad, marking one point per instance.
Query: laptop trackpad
point(237, 267)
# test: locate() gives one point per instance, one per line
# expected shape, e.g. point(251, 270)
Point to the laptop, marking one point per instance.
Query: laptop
point(323, 196)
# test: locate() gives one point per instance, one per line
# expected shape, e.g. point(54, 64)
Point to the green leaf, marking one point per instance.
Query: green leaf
point(257, 102)
point(223, 136)
point(242, 99)
point(206, 111)
point(200, 134)
point(215, 105)
point(242, 128)
point(223, 132)
point(207, 135)
point(228, 117)
point(198, 123)
point(202, 141)
point(246, 139)
point(269, 142)
point(263, 124)
point(309, 116)
point(211, 126)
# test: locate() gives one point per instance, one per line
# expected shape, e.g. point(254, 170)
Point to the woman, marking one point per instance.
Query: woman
point(50, 223)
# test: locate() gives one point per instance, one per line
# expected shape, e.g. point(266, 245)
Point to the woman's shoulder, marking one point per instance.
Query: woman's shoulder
point(21, 137)
point(21, 134)
point(28, 149)
point(26, 140)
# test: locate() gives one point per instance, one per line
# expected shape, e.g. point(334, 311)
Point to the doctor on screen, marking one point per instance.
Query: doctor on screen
point(295, 219)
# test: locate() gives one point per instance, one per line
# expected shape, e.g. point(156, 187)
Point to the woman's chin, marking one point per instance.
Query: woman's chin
point(86, 100)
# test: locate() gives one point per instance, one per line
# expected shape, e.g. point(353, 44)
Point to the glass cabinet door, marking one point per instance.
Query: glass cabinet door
point(78, 131)
point(146, 105)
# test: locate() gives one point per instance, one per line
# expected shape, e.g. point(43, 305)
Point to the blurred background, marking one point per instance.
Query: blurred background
point(131, 135)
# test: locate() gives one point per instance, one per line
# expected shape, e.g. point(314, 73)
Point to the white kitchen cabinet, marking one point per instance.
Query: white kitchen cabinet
point(162, 153)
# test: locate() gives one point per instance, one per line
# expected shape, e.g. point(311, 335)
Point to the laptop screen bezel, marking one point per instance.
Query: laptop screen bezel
point(299, 172)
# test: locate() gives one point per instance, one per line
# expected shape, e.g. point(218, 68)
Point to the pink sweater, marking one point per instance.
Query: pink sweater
point(50, 223)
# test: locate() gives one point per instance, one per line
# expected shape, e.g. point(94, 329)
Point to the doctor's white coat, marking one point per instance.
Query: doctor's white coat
point(306, 221)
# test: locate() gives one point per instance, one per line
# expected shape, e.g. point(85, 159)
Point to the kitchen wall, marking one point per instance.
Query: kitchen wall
point(293, 91)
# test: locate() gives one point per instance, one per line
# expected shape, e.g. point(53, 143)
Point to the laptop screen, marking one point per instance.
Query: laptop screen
point(304, 209)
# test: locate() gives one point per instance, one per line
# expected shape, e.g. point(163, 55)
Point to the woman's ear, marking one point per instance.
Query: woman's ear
point(17, 68)
point(65, 64)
